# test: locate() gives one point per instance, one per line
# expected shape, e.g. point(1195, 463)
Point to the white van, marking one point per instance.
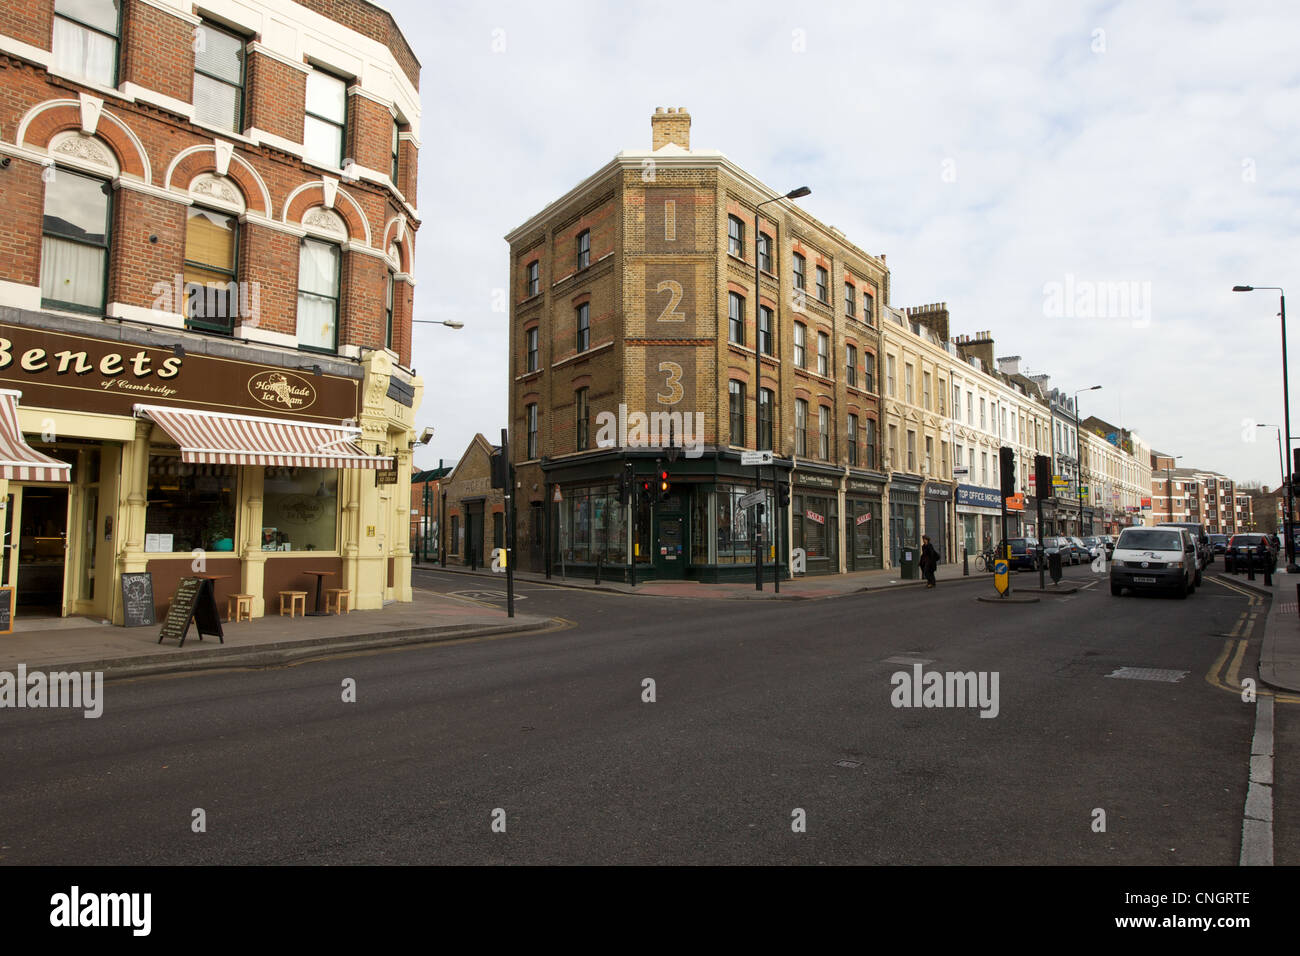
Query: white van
point(1157, 559)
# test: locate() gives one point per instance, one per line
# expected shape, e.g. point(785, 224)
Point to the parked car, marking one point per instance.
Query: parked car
point(1061, 546)
point(1025, 554)
point(1081, 551)
point(1203, 547)
point(1159, 558)
point(1219, 542)
point(1096, 546)
point(1246, 551)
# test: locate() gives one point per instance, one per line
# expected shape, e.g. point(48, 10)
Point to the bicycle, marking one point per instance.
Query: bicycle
point(984, 560)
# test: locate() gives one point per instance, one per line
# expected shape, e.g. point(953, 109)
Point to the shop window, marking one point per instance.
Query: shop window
point(300, 509)
point(211, 296)
point(593, 524)
point(325, 119)
point(734, 532)
point(189, 506)
point(318, 295)
point(218, 77)
point(75, 241)
point(85, 39)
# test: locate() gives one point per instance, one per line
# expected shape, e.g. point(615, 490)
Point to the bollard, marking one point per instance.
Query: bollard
point(1268, 576)
point(965, 563)
point(599, 558)
point(1297, 596)
point(1250, 570)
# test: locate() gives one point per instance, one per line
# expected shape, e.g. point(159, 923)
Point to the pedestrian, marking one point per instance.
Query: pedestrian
point(929, 560)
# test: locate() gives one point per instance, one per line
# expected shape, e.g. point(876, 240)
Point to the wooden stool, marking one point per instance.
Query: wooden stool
point(338, 598)
point(239, 607)
point(296, 598)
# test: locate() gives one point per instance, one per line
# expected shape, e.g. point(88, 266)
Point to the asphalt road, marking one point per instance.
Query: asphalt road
point(761, 709)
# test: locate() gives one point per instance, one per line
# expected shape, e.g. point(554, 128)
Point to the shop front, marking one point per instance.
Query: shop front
point(904, 519)
point(979, 513)
point(814, 521)
point(177, 462)
point(938, 499)
point(863, 515)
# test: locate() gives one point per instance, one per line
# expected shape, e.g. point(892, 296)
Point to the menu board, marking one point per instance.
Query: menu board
point(137, 599)
point(6, 610)
point(193, 600)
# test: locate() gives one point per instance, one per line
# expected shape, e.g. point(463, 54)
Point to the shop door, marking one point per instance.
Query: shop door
point(670, 544)
point(36, 547)
point(474, 535)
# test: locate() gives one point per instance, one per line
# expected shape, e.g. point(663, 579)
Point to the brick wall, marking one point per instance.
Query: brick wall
point(157, 51)
point(276, 96)
point(31, 21)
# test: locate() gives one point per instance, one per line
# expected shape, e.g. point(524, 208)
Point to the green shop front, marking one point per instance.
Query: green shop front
point(814, 520)
point(694, 529)
point(863, 514)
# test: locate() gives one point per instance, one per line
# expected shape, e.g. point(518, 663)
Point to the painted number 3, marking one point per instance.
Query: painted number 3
point(674, 383)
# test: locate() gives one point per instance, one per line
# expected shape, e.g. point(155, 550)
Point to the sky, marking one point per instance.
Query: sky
point(1087, 181)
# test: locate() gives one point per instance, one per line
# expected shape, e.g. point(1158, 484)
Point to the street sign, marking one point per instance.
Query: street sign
point(753, 498)
point(960, 471)
point(756, 458)
point(556, 496)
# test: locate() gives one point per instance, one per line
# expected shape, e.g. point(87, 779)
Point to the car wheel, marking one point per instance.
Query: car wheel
point(1115, 589)
point(1198, 580)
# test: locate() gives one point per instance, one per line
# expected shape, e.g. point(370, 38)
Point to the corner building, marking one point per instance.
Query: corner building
point(205, 298)
point(633, 301)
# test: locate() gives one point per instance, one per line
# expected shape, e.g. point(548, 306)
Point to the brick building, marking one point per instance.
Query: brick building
point(635, 324)
point(205, 296)
point(426, 512)
point(473, 512)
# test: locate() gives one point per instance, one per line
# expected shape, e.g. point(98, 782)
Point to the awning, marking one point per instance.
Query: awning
point(216, 438)
point(18, 460)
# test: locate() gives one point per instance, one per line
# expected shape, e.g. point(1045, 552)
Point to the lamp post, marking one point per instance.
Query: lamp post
point(1286, 410)
point(1169, 486)
point(798, 193)
point(1078, 451)
point(450, 323)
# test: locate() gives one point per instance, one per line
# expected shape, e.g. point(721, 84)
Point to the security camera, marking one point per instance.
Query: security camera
point(5, 161)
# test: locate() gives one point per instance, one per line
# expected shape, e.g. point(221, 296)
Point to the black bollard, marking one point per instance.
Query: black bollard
point(1268, 576)
point(965, 563)
point(1250, 570)
point(599, 558)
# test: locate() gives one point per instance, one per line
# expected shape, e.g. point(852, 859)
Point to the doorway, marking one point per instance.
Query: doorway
point(670, 540)
point(36, 548)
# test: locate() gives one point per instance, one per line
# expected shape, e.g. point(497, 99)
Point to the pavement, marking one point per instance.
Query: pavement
point(1279, 656)
point(81, 644)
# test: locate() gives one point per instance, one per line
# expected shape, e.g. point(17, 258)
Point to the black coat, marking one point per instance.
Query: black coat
point(929, 558)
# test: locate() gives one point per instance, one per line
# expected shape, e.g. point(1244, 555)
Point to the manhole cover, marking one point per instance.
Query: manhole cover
point(850, 764)
point(1148, 673)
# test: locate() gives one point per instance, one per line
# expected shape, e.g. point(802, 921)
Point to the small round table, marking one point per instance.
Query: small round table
point(320, 577)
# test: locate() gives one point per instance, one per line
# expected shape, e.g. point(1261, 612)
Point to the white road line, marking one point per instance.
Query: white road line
point(1257, 820)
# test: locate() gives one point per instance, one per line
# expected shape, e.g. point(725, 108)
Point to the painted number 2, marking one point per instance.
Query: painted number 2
point(674, 383)
point(674, 290)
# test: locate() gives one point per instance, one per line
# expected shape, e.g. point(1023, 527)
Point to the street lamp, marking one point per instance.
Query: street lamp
point(1286, 409)
point(450, 323)
point(798, 193)
point(1078, 451)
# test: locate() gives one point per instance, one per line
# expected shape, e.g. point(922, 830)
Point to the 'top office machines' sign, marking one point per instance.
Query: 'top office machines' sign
point(971, 496)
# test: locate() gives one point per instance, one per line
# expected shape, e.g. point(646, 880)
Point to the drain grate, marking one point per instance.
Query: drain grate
point(1148, 673)
point(850, 764)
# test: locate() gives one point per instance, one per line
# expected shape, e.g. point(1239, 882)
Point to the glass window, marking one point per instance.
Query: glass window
point(871, 443)
point(735, 525)
point(765, 252)
point(799, 281)
point(911, 450)
point(823, 433)
point(584, 418)
point(300, 509)
point(765, 338)
point(584, 249)
point(929, 455)
point(735, 237)
point(869, 371)
point(851, 364)
point(735, 318)
point(534, 278)
point(956, 402)
point(800, 427)
point(866, 306)
point(908, 371)
point(823, 354)
point(736, 398)
point(389, 293)
point(851, 437)
point(325, 119)
point(891, 382)
point(800, 335)
point(530, 338)
point(531, 417)
point(218, 77)
point(584, 327)
point(318, 295)
point(823, 285)
point(74, 244)
point(850, 303)
point(397, 142)
point(765, 419)
point(211, 297)
point(925, 389)
point(592, 525)
point(85, 39)
point(192, 504)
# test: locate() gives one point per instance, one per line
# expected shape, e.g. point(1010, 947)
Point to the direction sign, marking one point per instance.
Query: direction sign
point(756, 458)
point(753, 498)
point(960, 471)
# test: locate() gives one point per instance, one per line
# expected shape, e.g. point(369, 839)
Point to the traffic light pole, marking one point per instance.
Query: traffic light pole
point(776, 533)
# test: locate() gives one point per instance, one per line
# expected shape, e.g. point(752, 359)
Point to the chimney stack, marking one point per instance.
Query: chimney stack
point(670, 125)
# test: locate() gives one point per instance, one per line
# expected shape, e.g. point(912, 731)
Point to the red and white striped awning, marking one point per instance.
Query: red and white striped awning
point(18, 460)
point(216, 438)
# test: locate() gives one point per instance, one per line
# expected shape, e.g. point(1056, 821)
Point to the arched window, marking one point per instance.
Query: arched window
point(75, 241)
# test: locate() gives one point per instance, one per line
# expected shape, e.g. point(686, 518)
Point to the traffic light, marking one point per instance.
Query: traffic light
point(1042, 476)
point(500, 469)
point(782, 494)
point(1008, 462)
point(625, 487)
point(665, 486)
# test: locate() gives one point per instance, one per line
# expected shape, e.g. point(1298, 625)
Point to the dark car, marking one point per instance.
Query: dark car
point(1061, 546)
point(1220, 543)
point(1097, 546)
point(1246, 551)
point(1203, 546)
point(1025, 554)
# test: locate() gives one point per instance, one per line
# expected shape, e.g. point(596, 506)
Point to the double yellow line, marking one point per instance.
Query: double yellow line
point(1225, 673)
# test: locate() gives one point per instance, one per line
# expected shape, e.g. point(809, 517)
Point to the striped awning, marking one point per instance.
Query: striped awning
point(18, 460)
point(216, 438)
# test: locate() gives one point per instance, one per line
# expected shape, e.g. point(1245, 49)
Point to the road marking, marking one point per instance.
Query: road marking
point(1257, 818)
point(483, 594)
point(1148, 673)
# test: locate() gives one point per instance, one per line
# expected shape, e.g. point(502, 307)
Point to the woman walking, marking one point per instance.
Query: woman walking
point(929, 560)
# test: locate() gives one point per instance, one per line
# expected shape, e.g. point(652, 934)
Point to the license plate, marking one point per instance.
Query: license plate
point(1144, 580)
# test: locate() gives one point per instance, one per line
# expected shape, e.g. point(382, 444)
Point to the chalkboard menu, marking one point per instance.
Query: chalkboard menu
point(194, 600)
point(137, 599)
point(6, 610)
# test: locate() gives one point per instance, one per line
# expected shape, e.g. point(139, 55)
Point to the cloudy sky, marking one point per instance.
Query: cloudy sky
point(1000, 154)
